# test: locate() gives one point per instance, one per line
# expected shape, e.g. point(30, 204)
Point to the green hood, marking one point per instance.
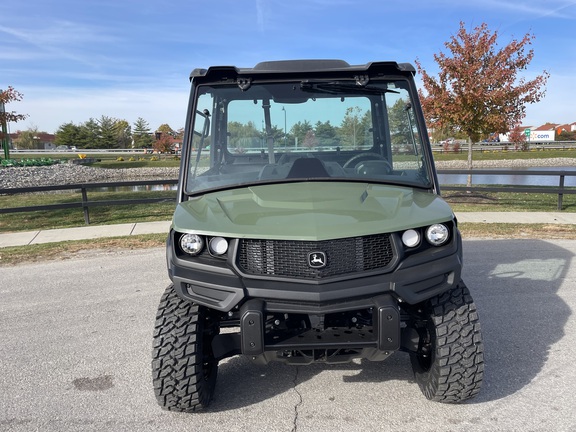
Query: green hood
point(310, 211)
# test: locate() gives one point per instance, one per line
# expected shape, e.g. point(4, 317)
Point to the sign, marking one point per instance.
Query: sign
point(527, 132)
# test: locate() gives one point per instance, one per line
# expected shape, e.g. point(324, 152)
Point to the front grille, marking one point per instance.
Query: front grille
point(286, 258)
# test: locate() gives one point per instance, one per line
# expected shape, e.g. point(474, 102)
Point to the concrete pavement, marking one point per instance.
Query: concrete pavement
point(23, 238)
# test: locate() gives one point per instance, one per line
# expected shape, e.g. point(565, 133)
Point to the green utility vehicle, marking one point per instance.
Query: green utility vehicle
point(310, 228)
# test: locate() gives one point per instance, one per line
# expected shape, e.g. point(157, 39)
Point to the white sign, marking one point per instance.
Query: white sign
point(537, 136)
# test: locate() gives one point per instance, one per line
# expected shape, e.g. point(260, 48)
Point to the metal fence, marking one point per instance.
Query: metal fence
point(85, 203)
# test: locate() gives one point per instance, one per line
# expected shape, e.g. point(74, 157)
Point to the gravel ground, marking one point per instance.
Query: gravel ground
point(70, 173)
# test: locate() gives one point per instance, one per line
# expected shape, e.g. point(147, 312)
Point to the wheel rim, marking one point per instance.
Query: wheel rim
point(425, 354)
point(208, 361)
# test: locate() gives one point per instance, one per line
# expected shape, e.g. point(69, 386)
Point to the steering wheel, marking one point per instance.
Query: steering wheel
point(366, 157)
point(370, 155)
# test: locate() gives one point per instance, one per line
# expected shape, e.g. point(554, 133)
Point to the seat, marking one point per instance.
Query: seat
point(307, 168)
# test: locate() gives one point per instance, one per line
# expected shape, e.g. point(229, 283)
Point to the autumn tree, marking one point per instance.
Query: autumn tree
point(310, 140)
point(163, 144)
point(7, 96)
point(28, 139)
point(165, 129)
point(478, 90)
point(518, 138)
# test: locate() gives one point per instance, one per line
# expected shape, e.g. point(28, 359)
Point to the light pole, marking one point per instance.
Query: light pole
point(284, 109)
point(4, 132)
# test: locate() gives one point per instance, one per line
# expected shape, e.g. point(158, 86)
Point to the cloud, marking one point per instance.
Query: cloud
point(60, 40)
point(49, 108)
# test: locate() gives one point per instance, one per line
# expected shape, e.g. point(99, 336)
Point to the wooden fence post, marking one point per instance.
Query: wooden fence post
point(85, 206)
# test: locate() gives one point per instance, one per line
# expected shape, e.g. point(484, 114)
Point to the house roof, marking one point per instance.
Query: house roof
point(547, 127)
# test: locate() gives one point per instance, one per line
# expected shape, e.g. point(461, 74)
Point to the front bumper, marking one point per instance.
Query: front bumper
point(413, 279)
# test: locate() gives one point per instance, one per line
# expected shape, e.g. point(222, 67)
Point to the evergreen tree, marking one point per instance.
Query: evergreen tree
point(142, 136)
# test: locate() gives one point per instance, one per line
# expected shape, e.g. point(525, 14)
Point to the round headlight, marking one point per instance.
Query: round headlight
point(191, 243)
point(411, 238)
point(437, 234)
point(218, 245)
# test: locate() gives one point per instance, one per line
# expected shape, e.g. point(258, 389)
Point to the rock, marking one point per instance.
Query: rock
point(15, 177)
point(61, 174)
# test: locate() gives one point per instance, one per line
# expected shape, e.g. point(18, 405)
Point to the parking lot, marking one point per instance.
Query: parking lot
point(77, 334)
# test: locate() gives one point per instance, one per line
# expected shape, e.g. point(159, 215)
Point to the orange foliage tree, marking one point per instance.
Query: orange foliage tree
point(7, 96)
point(478, 90)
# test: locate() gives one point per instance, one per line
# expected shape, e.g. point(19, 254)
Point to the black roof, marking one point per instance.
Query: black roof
point(298, 67)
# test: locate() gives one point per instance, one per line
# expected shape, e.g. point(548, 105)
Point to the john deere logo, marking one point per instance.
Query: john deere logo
point(317, 260)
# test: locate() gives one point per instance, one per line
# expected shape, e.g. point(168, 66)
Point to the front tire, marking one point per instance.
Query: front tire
point(449, 364)
point(184, 368)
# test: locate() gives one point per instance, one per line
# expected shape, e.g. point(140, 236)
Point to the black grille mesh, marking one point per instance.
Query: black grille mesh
point(286, 258)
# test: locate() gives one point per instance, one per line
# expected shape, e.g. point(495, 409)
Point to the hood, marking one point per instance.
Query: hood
point(310, 211)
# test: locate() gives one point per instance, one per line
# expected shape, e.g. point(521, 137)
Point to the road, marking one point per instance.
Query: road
point(76, 342)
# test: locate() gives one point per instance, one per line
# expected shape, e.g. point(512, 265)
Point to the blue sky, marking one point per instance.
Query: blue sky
point(74, 60)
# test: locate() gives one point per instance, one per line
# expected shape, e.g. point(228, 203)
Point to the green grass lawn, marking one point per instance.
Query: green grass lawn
point(461, 202)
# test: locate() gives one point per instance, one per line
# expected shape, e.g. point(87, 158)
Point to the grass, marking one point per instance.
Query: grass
point(99, 215)
point(460, 202)
point(74, 249)
point(508, 202)
point(490, 155)
point(106, 215)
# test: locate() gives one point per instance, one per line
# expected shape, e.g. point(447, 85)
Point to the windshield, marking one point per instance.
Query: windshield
point(310, 130)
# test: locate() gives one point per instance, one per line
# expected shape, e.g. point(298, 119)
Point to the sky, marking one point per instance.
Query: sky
point(75, 60)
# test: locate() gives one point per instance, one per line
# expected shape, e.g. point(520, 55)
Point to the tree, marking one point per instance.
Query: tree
point(68, 134)
point(478, 90)
point(517, 137)
point(310, 140)
point(166, 130)
point(353, 127)
point(28, 139)
point(300, 130)
point(107, 137)
point(7, 96)
point(400, 123)
point(326, 134)
point(89, 136)
point(141, 134)
point(123, 133)
point(243, 136)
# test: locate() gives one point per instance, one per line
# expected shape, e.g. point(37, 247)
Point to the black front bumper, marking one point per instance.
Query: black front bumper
point(413, 280)
point(329, 345)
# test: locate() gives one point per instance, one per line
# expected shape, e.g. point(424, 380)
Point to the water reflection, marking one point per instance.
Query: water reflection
point(524, 179)
point(140, 188)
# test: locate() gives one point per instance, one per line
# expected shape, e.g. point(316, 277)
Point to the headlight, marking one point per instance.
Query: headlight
point(218, 245)
point(191, 244)
point(437, 234)
point(411, 238)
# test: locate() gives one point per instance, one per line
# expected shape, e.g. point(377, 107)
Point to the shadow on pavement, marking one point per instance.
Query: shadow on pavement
point(515, 286)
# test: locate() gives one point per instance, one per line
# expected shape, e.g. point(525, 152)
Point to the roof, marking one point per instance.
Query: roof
point(303, 67)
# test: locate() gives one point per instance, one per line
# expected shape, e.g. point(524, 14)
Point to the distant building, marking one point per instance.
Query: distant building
point(41, 140)
point(544, 133)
